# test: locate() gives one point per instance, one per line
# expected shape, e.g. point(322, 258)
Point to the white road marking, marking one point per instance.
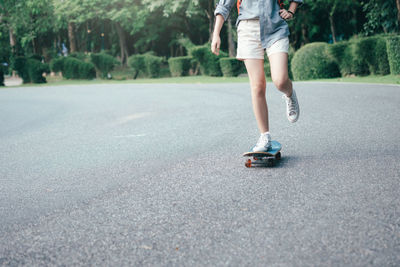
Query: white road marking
point(129, 135)
point(131, 117)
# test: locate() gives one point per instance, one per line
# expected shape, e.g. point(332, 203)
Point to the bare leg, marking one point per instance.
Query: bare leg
point(255, 69)
point(279, 73)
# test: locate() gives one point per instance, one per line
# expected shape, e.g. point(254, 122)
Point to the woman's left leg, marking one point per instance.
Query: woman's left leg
point(280, 77)
point(279, 72)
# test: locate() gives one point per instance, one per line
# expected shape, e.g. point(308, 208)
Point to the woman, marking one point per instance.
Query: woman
point(262, 27)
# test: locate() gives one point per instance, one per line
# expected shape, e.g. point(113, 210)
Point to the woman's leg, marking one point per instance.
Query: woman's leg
point(279, 72)
point(255, 70)
point(280, 77)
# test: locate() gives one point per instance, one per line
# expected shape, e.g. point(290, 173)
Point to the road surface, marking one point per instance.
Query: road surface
point(152, 174)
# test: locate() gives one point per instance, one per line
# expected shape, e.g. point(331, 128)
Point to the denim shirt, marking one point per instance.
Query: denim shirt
point(272, 26)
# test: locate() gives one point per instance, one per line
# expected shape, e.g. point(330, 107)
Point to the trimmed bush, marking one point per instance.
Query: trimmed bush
point(393, 51)
point(230, 66)
point(21, 67)
point(137, 63)
point(372, 52)
point(79, 55)
point(104, 63)
point(179, 66)
point(209, 63)
point(1, 76)
point(36, 70)
point(312, 62)
point(341, 53)
point(30, 69)
point(153, 65)
point(74, 68)
point(57, 64)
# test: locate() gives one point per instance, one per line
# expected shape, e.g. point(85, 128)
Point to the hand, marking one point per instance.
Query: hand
point(285, 14)
point(215, 44)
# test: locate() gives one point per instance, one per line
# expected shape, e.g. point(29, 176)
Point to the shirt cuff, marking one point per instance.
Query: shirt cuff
point(222, 10)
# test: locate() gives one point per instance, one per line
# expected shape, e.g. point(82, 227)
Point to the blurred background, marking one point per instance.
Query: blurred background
point(129, 39)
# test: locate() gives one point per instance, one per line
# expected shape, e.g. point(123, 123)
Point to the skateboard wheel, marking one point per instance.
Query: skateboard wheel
point(278, 156)
point(248, 163)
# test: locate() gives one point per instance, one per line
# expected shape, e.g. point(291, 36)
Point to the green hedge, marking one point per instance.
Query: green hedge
point(21, 67)
point(148, 64)
point(1, 76)
point(31, 69)
point(209, 63)
point(393, 51)
point(179, 66)
point(312, 62)
point(79, 55)
point(136, 62)
point(74, 68)
point(153, 65)
point(36, 70)
point(230, 66)
point(371, 51)
point(104, 63)
point(57, 64)
point(341, 53)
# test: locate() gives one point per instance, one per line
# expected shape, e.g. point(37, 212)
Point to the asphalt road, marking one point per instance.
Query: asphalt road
point(140, 174)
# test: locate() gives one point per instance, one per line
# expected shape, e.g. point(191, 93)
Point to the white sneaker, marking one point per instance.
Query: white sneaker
point(263, 143)
point(292, 107)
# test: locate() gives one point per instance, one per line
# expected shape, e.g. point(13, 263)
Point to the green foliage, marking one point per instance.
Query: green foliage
point(57, 64)
point(1, 76)
point(341, 54)
point(104, 63)
point(21, 67)
point(153, 65)
point(137, 63)
point(372, 51)
point(209, 63)
point(30, 69)
point(79, 55)
point(381, 16)
point(393, 51)
point(312, 62)
point(74, 68)
point(148, 64)
point(267, 68)
point(179, 66)
point(36, 70)
point(230, 66)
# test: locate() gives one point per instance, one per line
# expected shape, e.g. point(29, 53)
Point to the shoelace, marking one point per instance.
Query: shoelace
point(291, 104)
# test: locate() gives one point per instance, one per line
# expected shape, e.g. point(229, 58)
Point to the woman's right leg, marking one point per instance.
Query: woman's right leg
point(255, 70)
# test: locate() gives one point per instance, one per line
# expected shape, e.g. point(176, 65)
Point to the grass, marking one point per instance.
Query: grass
point(387, 79)
point(124, 76)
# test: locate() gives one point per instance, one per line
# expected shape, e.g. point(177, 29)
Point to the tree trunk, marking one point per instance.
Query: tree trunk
point(71, 37)
point(231, 43)
point(398, 12)
point(333, 30)
point(13, 45)
point(304, 32)
point(122, 43)
point(13, 41)
point(210, 16)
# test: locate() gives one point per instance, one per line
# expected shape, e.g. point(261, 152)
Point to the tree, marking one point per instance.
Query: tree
point(382, 16)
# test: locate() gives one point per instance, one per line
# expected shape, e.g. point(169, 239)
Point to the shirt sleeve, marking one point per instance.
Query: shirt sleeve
point(224, 7)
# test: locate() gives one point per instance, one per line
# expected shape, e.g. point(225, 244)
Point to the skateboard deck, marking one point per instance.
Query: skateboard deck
point(268, 158)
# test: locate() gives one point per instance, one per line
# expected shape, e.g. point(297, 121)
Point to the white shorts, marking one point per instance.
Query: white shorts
point(249, 41)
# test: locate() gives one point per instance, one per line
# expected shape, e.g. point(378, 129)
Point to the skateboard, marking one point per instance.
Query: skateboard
point(268, 158)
